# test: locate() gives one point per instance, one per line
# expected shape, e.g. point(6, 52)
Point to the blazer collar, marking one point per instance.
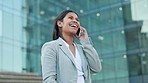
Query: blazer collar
point(64, 48)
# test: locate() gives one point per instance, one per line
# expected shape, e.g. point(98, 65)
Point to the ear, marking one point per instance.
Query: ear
point(60, 24)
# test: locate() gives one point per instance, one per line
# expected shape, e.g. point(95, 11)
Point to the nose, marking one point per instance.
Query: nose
point(75, 21)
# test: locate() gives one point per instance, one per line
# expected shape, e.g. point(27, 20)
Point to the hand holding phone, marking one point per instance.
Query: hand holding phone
point(81, 33)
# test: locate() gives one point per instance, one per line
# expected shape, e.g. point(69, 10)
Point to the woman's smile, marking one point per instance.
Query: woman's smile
point(74, 25)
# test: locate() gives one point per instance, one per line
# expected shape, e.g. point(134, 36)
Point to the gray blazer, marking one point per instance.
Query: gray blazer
point(58, 65)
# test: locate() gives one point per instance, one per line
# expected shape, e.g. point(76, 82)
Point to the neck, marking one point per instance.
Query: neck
point(68, 39)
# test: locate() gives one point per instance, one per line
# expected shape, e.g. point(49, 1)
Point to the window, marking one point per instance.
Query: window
point(0, 22)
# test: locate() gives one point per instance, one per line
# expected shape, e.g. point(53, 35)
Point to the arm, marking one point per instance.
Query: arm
point(91, 55)
point(89, 51)
point(48, 61)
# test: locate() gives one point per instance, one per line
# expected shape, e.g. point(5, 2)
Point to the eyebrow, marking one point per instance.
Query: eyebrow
point(73, 16)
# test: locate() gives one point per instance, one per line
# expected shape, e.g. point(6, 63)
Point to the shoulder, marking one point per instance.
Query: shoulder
point(51, 44)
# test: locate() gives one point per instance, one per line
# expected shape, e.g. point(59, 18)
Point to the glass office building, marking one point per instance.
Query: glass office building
point(118, 28)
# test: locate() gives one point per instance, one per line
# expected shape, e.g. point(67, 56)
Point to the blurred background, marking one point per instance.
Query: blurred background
point(118, 28)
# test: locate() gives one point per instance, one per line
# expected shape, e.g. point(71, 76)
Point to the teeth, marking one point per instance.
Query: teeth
point(73, 25)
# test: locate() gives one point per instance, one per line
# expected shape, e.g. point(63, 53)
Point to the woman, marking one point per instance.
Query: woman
point(63, 60)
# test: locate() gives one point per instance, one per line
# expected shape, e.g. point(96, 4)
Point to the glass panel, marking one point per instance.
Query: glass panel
point(17, 5)
point(109, 68)
point(138, 9)
point(8, 3)
point(119, 43)
point(107, 43)
point(123, 80)
point(7, 25)
point(17, 31)
point(17, 58)
point(121, 67)
point(1, 23)
point(110, 81)
point(1, 54)
point(7, 61)
point(144, 63)
point(134, 65)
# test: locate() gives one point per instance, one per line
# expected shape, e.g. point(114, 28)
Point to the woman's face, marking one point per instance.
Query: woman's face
point(70, 24)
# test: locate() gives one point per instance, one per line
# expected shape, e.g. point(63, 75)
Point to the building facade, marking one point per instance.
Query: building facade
point(12, 36)
point(118, 28)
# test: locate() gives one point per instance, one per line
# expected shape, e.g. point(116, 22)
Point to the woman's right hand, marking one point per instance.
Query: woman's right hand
point(83, 34)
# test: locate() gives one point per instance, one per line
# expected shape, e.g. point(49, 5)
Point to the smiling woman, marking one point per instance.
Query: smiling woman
point(63, 60)
point(61, 21)
point(69, 25)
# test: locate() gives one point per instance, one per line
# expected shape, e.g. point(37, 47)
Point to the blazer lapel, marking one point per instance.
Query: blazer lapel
point(66, 51)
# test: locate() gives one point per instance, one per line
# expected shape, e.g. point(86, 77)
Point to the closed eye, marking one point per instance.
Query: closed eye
point(77, 19)
point(71, 17)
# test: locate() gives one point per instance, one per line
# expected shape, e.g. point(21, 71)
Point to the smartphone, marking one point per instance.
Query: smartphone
point(79, 32)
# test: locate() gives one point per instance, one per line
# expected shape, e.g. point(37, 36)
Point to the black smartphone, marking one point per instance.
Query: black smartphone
point(78, 32)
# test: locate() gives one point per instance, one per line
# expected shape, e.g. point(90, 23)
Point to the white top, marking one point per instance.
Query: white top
point(78, 63)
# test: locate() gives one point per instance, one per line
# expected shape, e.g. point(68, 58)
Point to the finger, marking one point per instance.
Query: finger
point(82, 29)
